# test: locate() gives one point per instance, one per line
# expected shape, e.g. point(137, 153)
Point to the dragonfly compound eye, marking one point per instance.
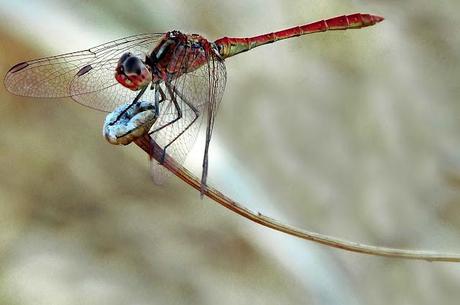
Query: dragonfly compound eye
point(132, 72)
point(133, 65)
point(124, 57)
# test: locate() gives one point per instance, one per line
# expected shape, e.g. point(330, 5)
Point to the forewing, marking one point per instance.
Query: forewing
point(86, 76)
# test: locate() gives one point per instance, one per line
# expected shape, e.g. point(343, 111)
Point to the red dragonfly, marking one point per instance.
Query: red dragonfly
point(182, 77)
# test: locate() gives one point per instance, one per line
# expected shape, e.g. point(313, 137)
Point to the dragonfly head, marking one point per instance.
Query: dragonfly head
point(132, 72)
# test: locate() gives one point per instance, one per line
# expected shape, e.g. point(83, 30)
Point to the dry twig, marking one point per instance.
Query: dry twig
point(155, 152)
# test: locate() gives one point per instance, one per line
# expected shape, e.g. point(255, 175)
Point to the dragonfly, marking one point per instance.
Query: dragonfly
point(161, 84)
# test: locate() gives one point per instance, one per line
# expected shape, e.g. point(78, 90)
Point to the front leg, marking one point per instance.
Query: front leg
point(179, 116)
point(176, 105)
point(174, 93)
point(195, 111)
point(122, 113)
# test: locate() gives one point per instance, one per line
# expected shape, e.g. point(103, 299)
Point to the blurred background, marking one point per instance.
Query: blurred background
point(353, 134)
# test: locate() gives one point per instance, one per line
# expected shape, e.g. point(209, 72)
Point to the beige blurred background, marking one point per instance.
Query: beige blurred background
point(354, 134)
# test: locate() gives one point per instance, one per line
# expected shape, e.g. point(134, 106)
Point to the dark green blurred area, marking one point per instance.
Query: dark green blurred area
point(353, 134)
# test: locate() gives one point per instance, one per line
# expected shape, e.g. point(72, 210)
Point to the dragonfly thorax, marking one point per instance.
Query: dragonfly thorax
point(177, 53)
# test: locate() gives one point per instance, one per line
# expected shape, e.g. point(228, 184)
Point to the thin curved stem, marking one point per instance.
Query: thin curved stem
point(155, 152)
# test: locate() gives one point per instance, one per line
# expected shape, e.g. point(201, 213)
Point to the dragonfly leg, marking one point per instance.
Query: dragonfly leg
point(138, 96)
point(195, 111)
point(179, 113)
point(160, 97)
point(173, 92)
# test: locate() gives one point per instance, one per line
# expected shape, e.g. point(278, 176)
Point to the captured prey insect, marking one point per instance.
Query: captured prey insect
point(162, 84)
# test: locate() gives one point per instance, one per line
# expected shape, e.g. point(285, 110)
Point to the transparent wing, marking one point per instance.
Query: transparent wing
point(159, 173)
point(198, 94)
point(86, 76)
